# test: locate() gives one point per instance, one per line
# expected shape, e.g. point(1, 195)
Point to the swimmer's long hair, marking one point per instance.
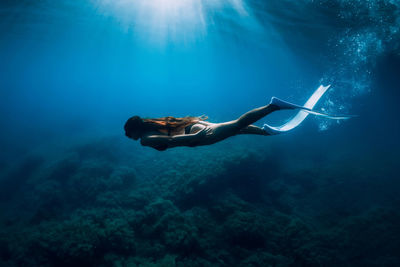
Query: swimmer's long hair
point(171, 125)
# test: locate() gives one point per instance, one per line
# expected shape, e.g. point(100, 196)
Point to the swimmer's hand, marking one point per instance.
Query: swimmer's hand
point(203, 132)
point(194, 139)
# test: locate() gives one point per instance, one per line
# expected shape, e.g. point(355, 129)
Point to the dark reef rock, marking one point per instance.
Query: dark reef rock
point(220, 206)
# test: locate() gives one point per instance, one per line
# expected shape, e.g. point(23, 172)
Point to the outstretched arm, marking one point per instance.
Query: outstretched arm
point(162, 142)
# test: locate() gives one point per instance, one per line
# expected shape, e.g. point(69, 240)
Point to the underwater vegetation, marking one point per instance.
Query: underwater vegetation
point(232, 204)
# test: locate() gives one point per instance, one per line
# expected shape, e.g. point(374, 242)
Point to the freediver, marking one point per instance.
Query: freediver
point(167, 132)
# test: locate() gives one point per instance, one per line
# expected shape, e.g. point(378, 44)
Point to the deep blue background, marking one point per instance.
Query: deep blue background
point(88, 65)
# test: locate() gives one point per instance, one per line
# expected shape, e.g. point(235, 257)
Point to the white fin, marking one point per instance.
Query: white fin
point(302, 114)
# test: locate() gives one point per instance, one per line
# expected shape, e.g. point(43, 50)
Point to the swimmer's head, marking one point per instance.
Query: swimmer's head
point(134, 127)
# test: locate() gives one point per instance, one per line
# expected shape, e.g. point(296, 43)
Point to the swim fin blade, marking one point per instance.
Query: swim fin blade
point(302, 114)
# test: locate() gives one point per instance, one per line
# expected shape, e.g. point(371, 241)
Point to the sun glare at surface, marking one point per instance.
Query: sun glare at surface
point(171, 21)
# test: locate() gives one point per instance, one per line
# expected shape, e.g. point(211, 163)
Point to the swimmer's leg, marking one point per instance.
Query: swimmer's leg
point(254, 115)
point(252, 129)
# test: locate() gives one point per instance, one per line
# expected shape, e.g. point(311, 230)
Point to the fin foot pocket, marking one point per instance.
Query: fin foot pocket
point(285, 105)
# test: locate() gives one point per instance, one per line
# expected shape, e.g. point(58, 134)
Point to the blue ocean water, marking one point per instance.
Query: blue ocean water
point(75, 188)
